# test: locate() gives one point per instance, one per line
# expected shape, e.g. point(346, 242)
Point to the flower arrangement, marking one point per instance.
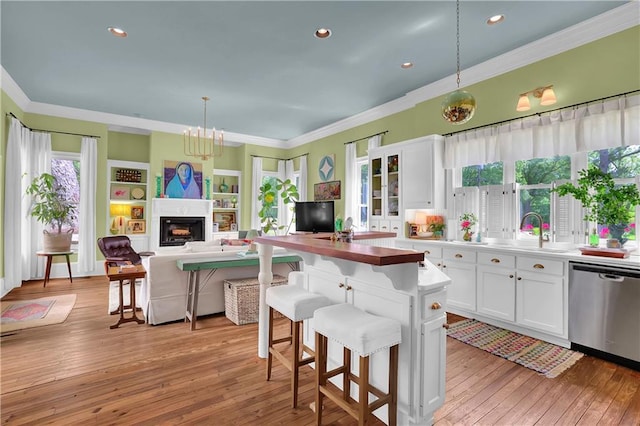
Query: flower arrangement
point(467, 220)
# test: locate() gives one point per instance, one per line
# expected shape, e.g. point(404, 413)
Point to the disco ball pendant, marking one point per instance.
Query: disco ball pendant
point(458, 107)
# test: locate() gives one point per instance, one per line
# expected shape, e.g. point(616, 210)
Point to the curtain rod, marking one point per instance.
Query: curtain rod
point(50, 131)
point(544, 112)
point(283, 159)
point(367, 137)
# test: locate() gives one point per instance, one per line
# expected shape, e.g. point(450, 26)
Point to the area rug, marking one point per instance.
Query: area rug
point(545, 358)
point(21, 314)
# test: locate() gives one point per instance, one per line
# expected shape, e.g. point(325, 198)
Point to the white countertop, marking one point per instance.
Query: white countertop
point(549, 251)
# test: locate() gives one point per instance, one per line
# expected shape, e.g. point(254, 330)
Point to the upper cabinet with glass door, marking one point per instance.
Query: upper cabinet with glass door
point(385, 201)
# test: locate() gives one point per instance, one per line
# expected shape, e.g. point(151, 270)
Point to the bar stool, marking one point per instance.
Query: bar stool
point(297, 304)
point(364, 334)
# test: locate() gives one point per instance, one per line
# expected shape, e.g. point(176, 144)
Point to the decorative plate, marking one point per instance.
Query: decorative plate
point(137, 193)
point(325, 168)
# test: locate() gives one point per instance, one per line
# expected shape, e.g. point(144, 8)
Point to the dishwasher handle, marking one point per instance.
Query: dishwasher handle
point(606, 272)
point(611, 277)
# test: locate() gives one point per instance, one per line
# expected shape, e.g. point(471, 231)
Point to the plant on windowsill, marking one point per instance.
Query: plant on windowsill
point(268, 197)
point(52, 207)
point(467, 220)
point(605, 202)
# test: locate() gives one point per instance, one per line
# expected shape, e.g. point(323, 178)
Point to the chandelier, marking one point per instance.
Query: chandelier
point(202, 145)
point(459, 106)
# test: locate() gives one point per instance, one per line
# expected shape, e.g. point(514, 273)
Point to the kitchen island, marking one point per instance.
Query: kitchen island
point(383, 281)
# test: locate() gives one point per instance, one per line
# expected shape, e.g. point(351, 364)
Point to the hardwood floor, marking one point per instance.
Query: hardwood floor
point(81, 372)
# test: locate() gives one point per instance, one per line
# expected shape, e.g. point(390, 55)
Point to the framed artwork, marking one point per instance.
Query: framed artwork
point(137, 226)
point(326, 191)
point(137, 212)
point(120, 192)
point(325, 167)
point(182, 179)
point(224, 220)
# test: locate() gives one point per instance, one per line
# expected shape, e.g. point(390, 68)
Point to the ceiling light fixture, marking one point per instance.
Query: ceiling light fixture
point(406, 65)
point(459, 106)
point(203, 146)
point(495, 19)
point(546, 95)
point(322, 33)
point(118, 32)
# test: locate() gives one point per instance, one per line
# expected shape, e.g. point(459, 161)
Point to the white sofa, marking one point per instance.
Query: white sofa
point(163, 294)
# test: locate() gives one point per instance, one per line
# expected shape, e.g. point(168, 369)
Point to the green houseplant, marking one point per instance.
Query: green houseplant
point(605, 203)
point(268, 197)
point(53, 208)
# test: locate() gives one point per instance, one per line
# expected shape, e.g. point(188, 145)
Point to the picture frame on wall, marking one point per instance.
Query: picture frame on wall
point(327, 191)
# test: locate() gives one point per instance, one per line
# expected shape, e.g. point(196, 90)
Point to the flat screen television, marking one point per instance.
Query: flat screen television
point(314, 216)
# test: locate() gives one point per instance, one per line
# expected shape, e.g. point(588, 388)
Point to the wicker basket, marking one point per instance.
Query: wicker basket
point(241, 299)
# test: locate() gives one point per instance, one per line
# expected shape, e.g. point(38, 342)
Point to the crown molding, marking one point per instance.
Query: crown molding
point(11, 88)
point(603, 25)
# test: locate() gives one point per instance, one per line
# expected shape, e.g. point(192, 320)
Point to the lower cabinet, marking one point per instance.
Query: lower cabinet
point(496, 282)
point(540, 302)
point(460, 266)
point(433, 351)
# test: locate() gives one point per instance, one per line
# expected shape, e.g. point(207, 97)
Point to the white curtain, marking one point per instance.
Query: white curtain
point(302, 187)
point(87, 219)
point(28, 156)
point(288, 174)
point(256, 181)
point(375, 141)
point(351, 182)
point(281, 207)
point(598, 125)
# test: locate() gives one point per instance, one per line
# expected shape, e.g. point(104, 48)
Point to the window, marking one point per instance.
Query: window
point(65, 167)
point(483, 174)
point(271, 178)
point(535, 179)
point(362, 166)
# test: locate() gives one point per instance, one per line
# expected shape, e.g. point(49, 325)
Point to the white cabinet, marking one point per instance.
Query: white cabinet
point(460, 266)
point(385, 188)
point(496, 286)
point(432, 351)
point(225, 198)
point(128, 206)
point(540, 294)
point(422, 173)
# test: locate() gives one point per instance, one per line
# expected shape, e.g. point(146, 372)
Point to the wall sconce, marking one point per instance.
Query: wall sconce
point(546, 95)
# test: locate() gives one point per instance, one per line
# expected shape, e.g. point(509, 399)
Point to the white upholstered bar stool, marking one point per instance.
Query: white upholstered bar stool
point(364, 334)
point(297, 304)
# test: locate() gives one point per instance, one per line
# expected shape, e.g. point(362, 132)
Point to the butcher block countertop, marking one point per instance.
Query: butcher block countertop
point(321, 244)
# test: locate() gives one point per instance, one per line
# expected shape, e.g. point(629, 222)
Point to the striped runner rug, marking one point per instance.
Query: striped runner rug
point(545, 358)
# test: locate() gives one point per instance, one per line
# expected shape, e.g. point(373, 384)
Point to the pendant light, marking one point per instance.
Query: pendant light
point(459, 106)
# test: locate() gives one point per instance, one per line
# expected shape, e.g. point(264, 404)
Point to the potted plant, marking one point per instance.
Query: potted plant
point(467, 220)
point(268, 197)
point(437, 228)
point(53, 208)
point(605, 203)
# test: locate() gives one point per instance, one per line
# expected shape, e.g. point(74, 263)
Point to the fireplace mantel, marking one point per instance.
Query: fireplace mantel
point(179, 207)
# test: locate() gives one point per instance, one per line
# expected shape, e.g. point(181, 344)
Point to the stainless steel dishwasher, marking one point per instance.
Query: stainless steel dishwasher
point(604, 312)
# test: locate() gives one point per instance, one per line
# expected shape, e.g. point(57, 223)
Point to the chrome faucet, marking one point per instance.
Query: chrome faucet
point(539, 217)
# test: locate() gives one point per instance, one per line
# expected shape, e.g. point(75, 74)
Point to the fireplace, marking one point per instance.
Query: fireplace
point(177, 230)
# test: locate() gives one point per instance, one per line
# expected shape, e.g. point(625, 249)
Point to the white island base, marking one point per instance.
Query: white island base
point(413, 295)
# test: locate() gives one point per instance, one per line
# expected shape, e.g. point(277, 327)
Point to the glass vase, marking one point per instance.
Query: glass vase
point(467, 235)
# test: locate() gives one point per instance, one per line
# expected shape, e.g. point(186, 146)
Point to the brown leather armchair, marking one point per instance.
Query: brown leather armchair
point(117, 250)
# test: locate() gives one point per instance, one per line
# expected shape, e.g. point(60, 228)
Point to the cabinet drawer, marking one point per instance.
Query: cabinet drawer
point(433, 304)
point(459, 255)
point(544, 266)
point(430, 253)
point(493, 259)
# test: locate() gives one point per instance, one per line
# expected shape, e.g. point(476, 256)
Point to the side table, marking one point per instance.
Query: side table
point(127, 273)
point(49, 255)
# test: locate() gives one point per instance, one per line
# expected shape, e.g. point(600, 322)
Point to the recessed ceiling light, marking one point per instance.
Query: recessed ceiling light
point(118, 32)
point(406, 65)
point(495, 19)
point(322, 33)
